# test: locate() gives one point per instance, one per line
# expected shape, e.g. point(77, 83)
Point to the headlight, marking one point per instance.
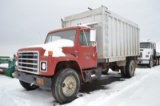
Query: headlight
point(43, 66)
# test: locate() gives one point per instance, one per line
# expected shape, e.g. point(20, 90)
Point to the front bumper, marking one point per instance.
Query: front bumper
point(143, 61)
point(34, 79)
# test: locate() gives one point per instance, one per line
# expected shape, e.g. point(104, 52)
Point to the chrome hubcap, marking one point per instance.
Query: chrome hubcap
point(69, 86)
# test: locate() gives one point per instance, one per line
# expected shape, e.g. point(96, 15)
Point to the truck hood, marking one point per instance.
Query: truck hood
point(145, 51)
point(55, 47)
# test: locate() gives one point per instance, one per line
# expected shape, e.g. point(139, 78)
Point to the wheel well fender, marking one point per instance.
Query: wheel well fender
point(70, 64)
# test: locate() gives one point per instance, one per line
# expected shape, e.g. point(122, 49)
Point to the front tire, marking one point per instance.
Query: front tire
point(150, 65)
point(65, 85)
point(28, 86)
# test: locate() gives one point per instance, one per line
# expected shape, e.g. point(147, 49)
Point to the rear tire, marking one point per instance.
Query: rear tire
point(123, 71)
point(27, 85)
point(130, 68)
point(65, 85)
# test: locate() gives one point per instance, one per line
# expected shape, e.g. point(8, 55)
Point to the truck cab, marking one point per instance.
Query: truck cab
point(65, 58)
point(147, 52)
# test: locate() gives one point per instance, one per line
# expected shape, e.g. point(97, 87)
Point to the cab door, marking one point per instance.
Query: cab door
point(87, 53)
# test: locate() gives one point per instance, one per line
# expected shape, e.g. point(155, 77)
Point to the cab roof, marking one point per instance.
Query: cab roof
point(68, 28)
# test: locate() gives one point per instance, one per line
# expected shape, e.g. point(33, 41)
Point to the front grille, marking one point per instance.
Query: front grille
point(28, 61)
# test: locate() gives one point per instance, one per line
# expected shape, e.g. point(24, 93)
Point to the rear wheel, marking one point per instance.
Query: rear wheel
point(123, 71)
point(65, 85)
point(130, 68)
point(28, 86)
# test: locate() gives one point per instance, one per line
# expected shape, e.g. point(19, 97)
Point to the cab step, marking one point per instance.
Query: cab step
point(92, 74)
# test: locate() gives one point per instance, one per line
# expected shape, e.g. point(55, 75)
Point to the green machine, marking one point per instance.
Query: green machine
point(4, 59)
point(11, 64)
point(11, 69)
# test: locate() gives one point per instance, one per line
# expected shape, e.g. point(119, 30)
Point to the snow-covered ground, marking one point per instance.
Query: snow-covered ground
point(141, 90)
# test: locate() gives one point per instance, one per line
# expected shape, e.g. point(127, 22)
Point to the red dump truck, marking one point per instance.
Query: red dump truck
point(88, 44)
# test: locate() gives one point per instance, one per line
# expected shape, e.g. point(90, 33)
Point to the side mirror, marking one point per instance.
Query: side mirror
point(92, 35)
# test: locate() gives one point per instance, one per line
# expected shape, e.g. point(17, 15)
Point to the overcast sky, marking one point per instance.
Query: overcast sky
point(27, 22)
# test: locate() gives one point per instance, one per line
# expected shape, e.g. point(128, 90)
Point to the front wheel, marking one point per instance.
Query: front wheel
point(150, 65)
point(65, 85)
point(28, 86)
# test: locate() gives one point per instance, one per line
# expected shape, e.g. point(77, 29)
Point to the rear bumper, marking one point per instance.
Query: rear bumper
point(143, 61)
point(34, 79)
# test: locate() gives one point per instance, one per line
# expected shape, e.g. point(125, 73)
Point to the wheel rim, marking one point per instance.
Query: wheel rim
point(69, 86)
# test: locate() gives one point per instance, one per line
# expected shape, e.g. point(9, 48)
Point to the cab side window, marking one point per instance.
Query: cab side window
point(84, 38)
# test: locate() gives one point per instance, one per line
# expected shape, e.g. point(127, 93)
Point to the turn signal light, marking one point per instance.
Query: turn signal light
point(50, 53)
point(40, 81)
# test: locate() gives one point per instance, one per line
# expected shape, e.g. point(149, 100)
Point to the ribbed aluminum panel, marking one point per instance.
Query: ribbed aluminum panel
point(116, 38)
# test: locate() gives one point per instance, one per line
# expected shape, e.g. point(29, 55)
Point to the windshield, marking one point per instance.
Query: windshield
point(145, 45)
point(68, 34)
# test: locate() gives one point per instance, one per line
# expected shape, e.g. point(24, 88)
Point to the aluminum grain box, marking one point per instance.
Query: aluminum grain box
point(117, 37)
